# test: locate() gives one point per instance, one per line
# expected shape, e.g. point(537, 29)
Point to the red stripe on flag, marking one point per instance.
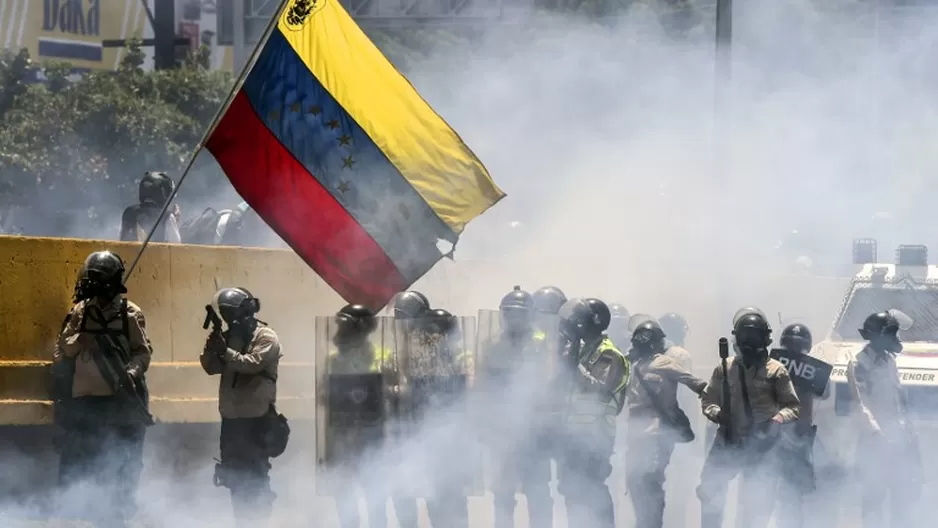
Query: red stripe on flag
point(300, 210)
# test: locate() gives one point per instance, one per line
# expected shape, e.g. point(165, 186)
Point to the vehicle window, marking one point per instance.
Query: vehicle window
point(921, 306)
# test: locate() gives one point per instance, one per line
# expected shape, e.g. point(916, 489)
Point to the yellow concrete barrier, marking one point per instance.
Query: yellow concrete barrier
point(173, 282)
point(172, 285)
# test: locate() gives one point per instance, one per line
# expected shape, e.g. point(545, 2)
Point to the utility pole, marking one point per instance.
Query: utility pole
point(162, 19)
point(239, 51)
point(721, 161)
point(724, 41)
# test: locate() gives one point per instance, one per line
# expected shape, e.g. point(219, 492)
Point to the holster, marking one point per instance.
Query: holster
point(224, 476)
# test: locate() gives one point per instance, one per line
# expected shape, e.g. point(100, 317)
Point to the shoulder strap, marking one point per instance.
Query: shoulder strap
point(656, 403)
point(125, 323)
point(747, 405)
point(68, 317)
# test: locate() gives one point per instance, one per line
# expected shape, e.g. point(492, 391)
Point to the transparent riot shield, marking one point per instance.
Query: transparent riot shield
point(436, 371)
point(354, 377)
point(515, 402)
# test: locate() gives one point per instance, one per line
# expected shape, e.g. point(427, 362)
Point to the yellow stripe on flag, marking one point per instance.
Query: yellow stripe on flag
point(427, 152)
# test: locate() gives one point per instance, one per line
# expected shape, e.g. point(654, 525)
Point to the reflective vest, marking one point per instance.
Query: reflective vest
point(592, 410)
point(504, 357)
point(360, 360)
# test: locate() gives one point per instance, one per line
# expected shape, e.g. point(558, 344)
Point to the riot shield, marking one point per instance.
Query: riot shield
point(514, 404)
point(436, 372)
point(354, 377)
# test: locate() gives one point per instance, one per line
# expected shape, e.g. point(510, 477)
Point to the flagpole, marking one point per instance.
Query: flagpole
point(211, 128)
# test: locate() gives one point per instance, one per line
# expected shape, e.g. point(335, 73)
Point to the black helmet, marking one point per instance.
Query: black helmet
point(881, 329)
point(517, 299)
point(355, 318)
point(881, 323)
point(549, 299)
point(584, 318)
point(235, 304)
point(440, 321)
point(618, 311)
point(155, 188)
point(517, 308)
point(410, 305)
point(796, 337)
point(102, 275)
point(104, 267)
point(648, 337)
point(674, 325)
point(746, 311)
point(752, 331)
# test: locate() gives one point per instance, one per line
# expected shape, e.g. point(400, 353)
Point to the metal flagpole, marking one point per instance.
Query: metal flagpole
point(214, 123)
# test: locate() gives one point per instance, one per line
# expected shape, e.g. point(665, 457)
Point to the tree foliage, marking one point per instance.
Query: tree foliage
point(80, 144)
point(77, 145)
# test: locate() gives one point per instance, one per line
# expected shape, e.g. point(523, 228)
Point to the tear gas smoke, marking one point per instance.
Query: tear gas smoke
point(624, 183)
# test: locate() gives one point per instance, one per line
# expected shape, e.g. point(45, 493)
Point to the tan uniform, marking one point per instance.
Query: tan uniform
point(661, 374)
point(247, 393)
point(888, 458)
point(248, 384)
point(681, 488)
point(680, 355)
point(79, 345)
point(104, 438)
point(650, 440)
point(771, 394)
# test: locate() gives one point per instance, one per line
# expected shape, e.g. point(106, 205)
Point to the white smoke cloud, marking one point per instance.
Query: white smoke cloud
point(603, 137)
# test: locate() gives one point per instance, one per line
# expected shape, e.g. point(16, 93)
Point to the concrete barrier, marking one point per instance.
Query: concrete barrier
point(172, 284)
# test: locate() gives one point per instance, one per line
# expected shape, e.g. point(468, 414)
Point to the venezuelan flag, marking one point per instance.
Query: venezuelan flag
point(339, 154)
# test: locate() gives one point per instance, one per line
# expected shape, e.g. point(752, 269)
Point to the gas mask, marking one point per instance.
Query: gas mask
point(750, 343)
point(516, 322)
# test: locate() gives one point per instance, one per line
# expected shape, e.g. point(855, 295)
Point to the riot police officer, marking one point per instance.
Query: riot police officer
point(410, 305)
point(761, 397)
point(619, 325)
point(620, 332)
point(682, 490)
point(137, 220)
point(515, 377)
point(675, 327)
point(597, 373)
point(656, 421)
point(409, 309)
point(439, 392)
point(357, 394)
point(797, 441)
point(548, 300)
point(247, 356)
point(888, 457)
point(102, 403)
